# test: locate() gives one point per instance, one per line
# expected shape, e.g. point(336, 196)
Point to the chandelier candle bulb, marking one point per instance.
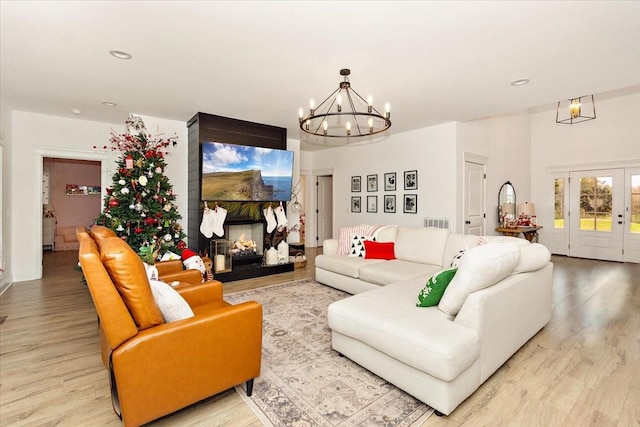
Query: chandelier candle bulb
point(324, 127)
point(370, 106)
point(387, 110)
point(339, 102)
point(348, 128)
point(300, 114)
point(370, 121)
point(312, 107)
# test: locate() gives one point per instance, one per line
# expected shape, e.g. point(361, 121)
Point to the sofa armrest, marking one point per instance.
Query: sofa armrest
point(330, 247)
point(187, 276)
point(507, 314)
point(199, 294)
point(169, 266)
point(170, 366)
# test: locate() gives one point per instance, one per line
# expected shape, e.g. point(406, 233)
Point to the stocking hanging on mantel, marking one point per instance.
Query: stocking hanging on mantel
point(206, 226)
point(271, 219)
point(220, 214)
point(281, 216)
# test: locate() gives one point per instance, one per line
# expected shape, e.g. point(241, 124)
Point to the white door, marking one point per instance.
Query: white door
point(632, 216)
point(557, 230)
point(474, 212)
point(596, 214)
point(324, 186)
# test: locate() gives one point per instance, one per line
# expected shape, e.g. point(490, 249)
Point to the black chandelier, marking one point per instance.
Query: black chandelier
point(576, 110)
point(357, 117)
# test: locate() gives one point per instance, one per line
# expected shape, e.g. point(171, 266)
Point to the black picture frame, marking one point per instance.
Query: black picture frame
point(372, 182)
point(390, 181)
point(356, 204)
point(390, 203)
point(356, 184)
point(411, 180)
point(372, 204)
point(410, 204)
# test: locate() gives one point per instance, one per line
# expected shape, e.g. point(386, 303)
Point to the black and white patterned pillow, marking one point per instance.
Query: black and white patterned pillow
point(357, 245)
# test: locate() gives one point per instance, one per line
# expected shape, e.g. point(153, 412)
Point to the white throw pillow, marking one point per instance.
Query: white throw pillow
point(357, 245)
point(170, 302)
point(532, 257)
point(480, 267)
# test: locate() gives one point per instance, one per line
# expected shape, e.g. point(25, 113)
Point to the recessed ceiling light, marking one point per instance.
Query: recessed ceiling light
point(109, 104)
point(120, 54)
point(519, 82)
point(76, 111)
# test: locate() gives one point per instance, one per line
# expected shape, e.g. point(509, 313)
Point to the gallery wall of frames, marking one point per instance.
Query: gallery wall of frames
point(389, 192)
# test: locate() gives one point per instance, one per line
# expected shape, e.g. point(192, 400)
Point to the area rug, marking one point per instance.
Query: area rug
point(303, 382)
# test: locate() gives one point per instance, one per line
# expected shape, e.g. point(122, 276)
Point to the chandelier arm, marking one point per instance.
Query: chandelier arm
point(327, 98)
point(353, 110)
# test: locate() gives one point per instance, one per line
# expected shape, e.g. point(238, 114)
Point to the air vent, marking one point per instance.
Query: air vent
point(436, 222)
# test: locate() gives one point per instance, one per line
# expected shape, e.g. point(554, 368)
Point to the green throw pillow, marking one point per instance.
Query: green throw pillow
point(434, 289)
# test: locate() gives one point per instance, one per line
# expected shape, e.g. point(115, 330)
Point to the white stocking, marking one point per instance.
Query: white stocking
point(206, 227)
point(218, 221)
point(271, 220)
point(282, 218)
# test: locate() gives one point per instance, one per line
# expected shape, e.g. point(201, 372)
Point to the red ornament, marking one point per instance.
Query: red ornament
point(138, 230)
point(114, 202)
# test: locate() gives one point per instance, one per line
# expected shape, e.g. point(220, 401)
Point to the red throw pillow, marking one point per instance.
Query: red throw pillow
point(379, 250)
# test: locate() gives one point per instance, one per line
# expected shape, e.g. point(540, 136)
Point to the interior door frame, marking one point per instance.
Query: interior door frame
point(481, 160)
point(312, 213)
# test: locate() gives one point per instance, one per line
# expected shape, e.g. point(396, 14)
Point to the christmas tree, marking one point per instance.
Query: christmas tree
point(140, 206)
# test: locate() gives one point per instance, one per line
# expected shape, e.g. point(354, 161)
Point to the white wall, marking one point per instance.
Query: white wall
point(612, 138)
point(35, 136)
point(506, 143)
point(430, 151)
point(5, 197)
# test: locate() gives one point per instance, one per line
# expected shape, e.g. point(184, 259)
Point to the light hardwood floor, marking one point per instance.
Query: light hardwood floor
point(582, 369)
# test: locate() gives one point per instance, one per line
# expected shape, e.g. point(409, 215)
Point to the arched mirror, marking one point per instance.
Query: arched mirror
point(506, 204)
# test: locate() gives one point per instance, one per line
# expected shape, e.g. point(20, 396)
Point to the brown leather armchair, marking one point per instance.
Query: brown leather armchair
point(168, 271)
point(155, 367)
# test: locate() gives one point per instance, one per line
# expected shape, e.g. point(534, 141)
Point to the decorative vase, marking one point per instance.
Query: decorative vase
point(283, 252)
point(271, 256)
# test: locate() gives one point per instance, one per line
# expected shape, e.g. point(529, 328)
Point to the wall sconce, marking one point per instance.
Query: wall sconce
point(576, 110)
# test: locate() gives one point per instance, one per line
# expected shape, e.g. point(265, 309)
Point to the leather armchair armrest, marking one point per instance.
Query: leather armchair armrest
point(167, 267)
point(189, 276)
point(167, 367)
point(200, 293)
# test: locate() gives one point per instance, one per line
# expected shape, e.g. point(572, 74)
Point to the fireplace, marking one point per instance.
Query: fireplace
point(247, 241)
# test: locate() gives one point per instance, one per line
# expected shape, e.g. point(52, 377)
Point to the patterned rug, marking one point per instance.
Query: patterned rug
point(303, 381)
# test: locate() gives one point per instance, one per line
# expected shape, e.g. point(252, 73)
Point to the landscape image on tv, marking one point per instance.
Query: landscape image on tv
point(243, 173)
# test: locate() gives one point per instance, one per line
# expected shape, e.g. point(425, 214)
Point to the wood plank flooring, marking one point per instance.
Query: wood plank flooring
point(582, 369)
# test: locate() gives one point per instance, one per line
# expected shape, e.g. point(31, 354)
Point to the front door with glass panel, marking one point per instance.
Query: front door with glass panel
point(632, 216)
point(596, 214)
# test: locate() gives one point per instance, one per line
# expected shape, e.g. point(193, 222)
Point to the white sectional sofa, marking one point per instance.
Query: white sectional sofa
point(499, 298)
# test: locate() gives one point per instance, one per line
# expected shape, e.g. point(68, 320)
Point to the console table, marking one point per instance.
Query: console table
point(529, 233)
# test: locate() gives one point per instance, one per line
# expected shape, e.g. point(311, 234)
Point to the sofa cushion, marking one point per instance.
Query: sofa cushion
point(433, 290)
point(424, 338)
point(457, 243)
point(532, 257)
point(480, 267)
point(379, 250)
point(396, 270)
point(130, 279)
point(170, 302)
point(345, 265)
point(424, 245)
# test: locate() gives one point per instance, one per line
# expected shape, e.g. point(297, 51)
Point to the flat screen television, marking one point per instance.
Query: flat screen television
point(244, 173)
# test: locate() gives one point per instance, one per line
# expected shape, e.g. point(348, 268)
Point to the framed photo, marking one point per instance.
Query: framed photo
point(411, 180)
point(355, 184)
point(390, 203)
point(372, 204)
point(356, 204)
point(372, 182)
point(410, 203)
point(390, 181)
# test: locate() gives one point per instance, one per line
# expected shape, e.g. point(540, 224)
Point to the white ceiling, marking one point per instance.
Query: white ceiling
point(259, 61)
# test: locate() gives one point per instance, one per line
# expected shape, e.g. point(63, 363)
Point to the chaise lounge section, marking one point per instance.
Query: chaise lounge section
point(498, 299)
